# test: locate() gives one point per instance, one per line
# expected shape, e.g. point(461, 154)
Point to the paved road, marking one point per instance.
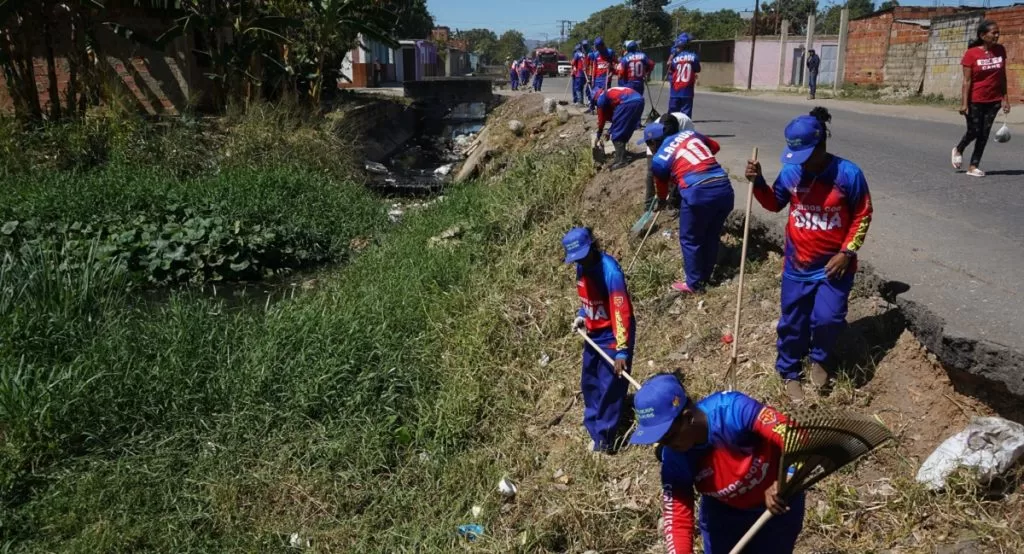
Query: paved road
point(955, 240)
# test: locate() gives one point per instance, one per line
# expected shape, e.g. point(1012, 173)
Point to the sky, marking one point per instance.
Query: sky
point(538, 19)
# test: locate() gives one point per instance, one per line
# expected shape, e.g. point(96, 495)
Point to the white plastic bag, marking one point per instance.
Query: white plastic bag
point(1003, 134)
point(989, 445)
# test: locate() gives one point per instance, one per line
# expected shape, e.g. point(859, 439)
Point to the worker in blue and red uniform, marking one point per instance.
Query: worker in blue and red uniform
point(687, 160)
point(726, 447)
point(525, 70)
point(538, 75)
point(513, 73)
point(579, 76)
point(602, 64)
point(635, 67)
point(683, 68)
point(624, 107)
point(829, 215)
point(607, 316)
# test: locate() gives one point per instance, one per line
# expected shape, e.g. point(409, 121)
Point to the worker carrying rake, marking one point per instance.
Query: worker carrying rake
point(727, 447)
point(607, 317)
point(829, 215)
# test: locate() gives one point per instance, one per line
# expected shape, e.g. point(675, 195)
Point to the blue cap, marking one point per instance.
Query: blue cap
point(802, 135)
point(585, 43)
point(577, 244)
point(631, 45)
point(653, 131)
point(599, 41)
point(658, 402)
point(683, 38)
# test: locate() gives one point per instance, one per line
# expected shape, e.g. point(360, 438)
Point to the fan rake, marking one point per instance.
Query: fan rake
point(816, 443)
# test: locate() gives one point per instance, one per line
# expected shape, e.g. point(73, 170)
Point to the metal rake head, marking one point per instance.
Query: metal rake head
point(817, 442)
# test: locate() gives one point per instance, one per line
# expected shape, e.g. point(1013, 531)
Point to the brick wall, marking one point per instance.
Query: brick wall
point(947, 41)
point(869, 41)
point(905, 60)
point(1011, 30)
point(866, 45)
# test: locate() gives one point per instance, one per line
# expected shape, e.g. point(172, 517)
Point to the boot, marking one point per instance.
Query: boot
point(795, 391)
point(620, 155)
point(819, 376)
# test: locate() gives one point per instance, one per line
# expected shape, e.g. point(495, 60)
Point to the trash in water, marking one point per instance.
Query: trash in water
point(471, 531)
point(989, 445)
point(507, 488)
point(443, 170)
point(376, 167)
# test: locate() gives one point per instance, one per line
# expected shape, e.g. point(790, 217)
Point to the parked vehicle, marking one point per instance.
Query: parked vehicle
point(564, 68)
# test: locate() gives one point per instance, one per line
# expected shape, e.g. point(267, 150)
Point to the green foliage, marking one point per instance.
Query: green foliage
point(483, 42)
point(511, 45)
point(650, 24)
point(185, 426)
point(717, 25)
point(796, 11)
point(412, 18)
point(888, 5)
point(828, 21)
point(612, 24)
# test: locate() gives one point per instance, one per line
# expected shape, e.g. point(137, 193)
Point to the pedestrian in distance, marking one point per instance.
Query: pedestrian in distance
point(982, 94)
point(727, 448)
point(683, 68)
point(829, 215)
point(525, 70)
point(624, 108)
point(635, 67)
point(538, 74)
point(607, 316)
point(813, 62)
point(673, 123)
point(686, 160)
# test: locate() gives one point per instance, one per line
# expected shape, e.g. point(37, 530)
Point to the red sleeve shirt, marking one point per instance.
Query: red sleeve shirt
point(988, 73)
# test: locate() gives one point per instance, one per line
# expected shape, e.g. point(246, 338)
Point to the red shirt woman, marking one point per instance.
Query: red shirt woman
point(983, 93)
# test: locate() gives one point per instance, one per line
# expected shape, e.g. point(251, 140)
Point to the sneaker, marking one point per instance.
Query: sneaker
point(975, 172)
point(795, 391)
point(957, 159)
point(682, 287)
point(819, 375)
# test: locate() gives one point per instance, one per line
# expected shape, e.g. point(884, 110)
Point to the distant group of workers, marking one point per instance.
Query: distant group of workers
point(520, 71)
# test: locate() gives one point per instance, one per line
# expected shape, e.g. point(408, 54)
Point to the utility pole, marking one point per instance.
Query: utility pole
point(753, 43)
point(564, 23)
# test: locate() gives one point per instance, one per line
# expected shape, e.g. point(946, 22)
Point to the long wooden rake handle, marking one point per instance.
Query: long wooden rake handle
point(607, 358)
point(638, 248)
point(731, 377)
point(761, 521)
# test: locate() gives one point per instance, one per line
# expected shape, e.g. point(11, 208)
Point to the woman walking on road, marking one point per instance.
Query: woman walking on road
point(983, 93)
point(829, 214)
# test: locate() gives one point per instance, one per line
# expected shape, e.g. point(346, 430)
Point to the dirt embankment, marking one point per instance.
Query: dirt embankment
point(570, 496)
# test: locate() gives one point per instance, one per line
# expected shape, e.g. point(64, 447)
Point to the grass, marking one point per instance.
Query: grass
point(187, 426)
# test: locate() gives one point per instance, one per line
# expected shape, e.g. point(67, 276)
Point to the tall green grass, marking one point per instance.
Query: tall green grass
point(358, 414)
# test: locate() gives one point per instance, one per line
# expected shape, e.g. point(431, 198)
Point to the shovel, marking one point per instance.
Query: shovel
point(641, 223)
point(653, 115)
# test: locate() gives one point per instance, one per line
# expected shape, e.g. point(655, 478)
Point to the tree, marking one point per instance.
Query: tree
point(511, 44)
point(412, 19)
point(650, 24)
point(888, 5)
point(718, 25)
point(796, 11)
point(828, 21)
point(482, 42)
point(612, 24)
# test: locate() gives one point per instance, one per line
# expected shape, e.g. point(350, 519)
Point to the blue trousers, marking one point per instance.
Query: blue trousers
point(625, 120)
point(577, 89)
point(603, 393)
point(684, 105)
point(812, 82)
point(813, 316)
point(600, 83)
point(513, 79)
point(538, 81)
point(722, 527)
point(702, 213)
point(637, 86)
point(524, 79)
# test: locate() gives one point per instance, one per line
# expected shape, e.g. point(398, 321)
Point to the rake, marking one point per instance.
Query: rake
point(730, 373)
point(816, 443)
point(607, 358)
